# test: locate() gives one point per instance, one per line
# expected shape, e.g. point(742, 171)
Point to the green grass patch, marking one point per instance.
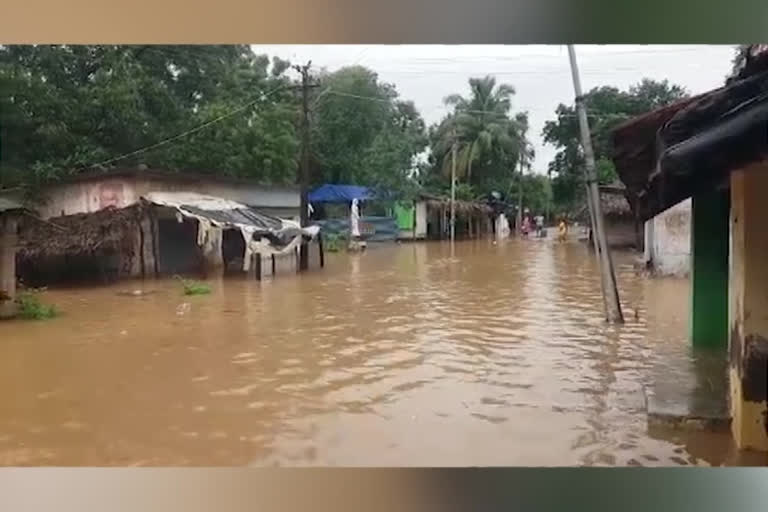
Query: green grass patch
point(31, 308)
point(192, 287)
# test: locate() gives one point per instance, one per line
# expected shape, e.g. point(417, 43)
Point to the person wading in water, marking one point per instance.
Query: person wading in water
point(562, 230)
point(525, 228)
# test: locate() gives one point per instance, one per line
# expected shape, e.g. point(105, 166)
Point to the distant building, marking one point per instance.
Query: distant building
point(411, 220)
point(621, 230)
point(474, 219)
point(134, 223)
point(331, 204)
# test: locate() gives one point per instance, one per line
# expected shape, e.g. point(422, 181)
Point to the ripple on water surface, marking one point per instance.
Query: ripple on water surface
point(402, 355)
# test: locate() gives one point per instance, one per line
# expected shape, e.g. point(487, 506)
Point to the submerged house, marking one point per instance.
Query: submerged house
point(429, 217)
point(474, 219)
point(712, 149)
point(331, 211)
point(621, 229)
point(621, 226)
point(411, 220)
point(140, 223)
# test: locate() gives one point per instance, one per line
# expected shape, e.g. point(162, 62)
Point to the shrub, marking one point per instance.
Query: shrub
point(31, 308)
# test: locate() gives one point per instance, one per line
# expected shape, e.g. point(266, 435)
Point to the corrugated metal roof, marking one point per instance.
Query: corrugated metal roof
point(219, 210)
point(224, 212)
point(238, 216)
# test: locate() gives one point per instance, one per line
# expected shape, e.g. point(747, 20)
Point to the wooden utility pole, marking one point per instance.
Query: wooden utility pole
point(453, 188)
point(303, 177)
point(610, 290)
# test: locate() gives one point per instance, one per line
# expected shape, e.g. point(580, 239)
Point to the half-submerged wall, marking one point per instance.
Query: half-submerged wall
point(668, 241)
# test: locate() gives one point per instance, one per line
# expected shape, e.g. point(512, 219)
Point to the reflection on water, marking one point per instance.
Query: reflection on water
point(398, 356)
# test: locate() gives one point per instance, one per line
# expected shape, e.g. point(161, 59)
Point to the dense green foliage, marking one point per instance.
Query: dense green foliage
point(225, 110)
point(606, 107)
point(221, 109)
point(490, 141)
point(363, 133)
point(66, 108)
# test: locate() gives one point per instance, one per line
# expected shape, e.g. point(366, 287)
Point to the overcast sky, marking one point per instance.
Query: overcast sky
point(540, 74)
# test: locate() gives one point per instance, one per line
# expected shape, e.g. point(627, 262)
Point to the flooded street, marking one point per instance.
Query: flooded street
point(398, 356)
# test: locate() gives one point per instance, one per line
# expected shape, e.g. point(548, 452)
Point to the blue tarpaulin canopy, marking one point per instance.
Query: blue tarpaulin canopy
point(339, 194)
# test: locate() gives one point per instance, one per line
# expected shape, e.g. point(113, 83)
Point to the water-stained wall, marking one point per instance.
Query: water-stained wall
point(94, 195)
point(668, 240)
point(748, 309)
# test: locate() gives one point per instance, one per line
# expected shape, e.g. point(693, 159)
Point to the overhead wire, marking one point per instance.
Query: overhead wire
point(185, 133)
point(195, 51)
point(447, 107)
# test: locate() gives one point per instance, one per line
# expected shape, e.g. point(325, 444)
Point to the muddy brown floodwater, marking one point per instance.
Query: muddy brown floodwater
point(399, 356)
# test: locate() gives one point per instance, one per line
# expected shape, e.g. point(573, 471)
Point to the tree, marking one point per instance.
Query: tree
point(363, 133)
point(489, 141)
point(606, 108)
point(480, 124)
point(537, 192)
point(65, 108)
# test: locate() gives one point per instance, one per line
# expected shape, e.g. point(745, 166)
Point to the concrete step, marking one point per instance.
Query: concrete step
point(690, 395)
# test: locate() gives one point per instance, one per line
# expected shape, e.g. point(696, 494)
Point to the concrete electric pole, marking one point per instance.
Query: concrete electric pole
point(608, 278)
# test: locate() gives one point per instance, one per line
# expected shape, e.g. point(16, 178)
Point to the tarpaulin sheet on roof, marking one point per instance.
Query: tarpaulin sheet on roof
point(262, 233)
point(339, 194)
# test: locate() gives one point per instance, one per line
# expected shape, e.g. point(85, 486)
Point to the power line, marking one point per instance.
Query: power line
point(190, 131)
point(320, 96)
point(469, 111)
point(350, 95)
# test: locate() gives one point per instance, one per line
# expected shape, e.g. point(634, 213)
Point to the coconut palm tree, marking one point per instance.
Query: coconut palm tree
point(479, 125)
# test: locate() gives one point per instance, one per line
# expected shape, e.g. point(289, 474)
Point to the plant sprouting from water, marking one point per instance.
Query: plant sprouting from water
point(192, 287)
point(31, 308)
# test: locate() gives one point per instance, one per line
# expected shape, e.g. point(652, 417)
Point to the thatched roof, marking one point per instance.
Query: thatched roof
point(79, 234)
point(664, 155)
point(614, 203)
point(464, 207)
